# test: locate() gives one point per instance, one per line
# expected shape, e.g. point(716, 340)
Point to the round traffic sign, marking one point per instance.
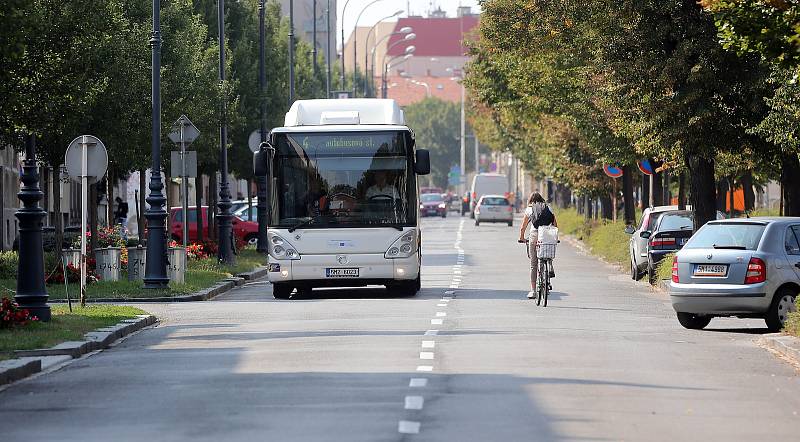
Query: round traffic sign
point(96, 158)
point(254, 140)
point(645, 167)
point(612, 171)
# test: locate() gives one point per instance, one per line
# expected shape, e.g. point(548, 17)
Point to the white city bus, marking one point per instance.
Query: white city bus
point(344, 198)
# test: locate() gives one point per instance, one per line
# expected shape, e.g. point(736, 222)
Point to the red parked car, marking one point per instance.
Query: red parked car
point(246, 231)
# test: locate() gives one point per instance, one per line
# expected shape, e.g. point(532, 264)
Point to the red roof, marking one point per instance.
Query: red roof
point(435, 36)
point(405, 92)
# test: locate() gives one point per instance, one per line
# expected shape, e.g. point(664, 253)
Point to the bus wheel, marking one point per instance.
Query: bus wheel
point(281, 290)
point(405, 288)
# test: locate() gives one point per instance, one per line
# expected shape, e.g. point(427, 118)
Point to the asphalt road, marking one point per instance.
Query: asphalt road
point(606, 360)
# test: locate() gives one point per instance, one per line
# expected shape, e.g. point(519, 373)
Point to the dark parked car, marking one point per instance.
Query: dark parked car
point(670, 232)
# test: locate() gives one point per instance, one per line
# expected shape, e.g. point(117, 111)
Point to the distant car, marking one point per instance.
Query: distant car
point(432, 204)
point(671, 231)
point(744, 267)
point(426, 190)
point(246, 231)
point(494, 209)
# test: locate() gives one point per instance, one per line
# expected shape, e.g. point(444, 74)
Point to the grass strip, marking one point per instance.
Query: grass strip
point(64, 326)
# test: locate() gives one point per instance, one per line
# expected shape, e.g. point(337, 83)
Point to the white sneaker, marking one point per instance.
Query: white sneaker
point(531, 294)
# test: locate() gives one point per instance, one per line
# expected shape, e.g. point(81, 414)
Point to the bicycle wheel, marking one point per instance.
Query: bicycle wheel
point(546, 284)
point(541, 284)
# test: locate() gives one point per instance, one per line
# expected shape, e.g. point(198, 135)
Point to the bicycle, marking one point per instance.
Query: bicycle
point(545, 254)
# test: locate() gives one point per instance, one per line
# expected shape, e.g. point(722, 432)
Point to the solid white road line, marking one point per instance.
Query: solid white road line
point(428, 344)
point(408, 427)
point(418, 382)
point(426, 355)
point(425, 368)
point(436, 322)
point(414, 402)
point(431, 332)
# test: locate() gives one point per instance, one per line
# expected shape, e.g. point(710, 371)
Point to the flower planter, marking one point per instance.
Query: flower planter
point(176, 264)
point(136, 263)
point(72, 257)
point(108, 263)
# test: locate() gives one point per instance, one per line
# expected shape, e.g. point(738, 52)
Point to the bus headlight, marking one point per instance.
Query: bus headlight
point(404, 246)
point(279, 248)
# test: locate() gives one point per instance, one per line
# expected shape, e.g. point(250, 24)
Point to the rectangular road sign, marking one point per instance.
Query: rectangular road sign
point(175, 163)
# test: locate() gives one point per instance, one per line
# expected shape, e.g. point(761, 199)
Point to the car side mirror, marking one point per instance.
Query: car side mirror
point(629, 230)
point(422, 162)
point(646, 234)
point(262, 158)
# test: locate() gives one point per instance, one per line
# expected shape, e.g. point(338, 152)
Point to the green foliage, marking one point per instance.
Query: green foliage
point(604, 238)
point(436, 126)
point(664, 268)
point(792, 325)
point(9, 262)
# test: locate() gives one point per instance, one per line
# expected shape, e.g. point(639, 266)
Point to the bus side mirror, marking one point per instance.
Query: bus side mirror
point(422, 162)
point(261, 160)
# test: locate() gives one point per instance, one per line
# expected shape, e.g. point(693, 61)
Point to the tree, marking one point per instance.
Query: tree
point(436, 126)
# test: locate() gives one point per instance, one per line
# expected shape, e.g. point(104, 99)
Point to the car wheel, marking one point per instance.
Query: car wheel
point(251, 240)
point(692, 321)
point(281, 290)
point(511, 224)
point(634, 271)
point(782, 305)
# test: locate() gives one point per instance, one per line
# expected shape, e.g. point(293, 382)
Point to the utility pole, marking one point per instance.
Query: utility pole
point(463, 180)
point(261, 210)
point(291, 52)
point(314, 26)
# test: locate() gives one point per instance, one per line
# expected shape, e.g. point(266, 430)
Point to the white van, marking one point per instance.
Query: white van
point(486, 184)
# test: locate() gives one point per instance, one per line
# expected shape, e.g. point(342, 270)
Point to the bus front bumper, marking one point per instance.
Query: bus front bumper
point(373, 268)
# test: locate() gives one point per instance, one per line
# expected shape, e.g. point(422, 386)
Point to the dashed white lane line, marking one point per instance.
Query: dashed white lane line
point(424, 368)
point(448, 292)
point(436, 322)
point(414, 402)
point(441, 314)
point(428, 355)
point(408, 427)
point(418, 382)
point(431, 332)
point(428, 344)
point(441, 305)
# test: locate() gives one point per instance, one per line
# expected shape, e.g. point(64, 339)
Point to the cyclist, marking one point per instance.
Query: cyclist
point(537, 214)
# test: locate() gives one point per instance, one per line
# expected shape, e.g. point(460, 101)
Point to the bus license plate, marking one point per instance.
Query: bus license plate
point(341, 273)
point(710, 270)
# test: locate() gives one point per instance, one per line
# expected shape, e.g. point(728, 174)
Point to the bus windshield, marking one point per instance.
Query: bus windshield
point(343, 179)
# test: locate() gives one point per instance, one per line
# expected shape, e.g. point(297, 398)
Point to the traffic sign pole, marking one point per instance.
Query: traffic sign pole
point(84, 212)
point(185, 188)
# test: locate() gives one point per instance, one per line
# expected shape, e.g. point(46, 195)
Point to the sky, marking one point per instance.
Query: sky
point(385, 7)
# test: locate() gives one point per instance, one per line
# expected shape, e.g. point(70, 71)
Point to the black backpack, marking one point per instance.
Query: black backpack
point(546, 218)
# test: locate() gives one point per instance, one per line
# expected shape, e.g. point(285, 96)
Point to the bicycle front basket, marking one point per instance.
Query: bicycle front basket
point(547, 251)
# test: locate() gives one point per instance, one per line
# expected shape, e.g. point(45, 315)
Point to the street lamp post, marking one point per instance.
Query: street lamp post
point(366, 53)
point(407, 30)
point(314, 33)
point(463, 153)
point(31, 293)
point(387, 66)
point(425, 85)
point(225, 240)
point(355, 45)
point(261, 210)
point(344, 9)
point(328, 52)
point(155, 272)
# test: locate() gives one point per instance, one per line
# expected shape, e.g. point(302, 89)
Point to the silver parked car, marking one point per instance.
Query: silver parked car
point(746, 267)
point(494, 209)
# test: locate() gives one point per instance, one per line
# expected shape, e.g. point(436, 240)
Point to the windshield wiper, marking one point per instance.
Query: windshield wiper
point(302, 224)
point(731, 247)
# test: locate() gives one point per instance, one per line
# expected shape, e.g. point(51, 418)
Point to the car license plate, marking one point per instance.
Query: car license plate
point(682, 241)
point(710, 270)
point(341, 273)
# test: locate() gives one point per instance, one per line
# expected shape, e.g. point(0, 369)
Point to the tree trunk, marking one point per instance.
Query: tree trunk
point(657, 193)
point(749, 194)
point(722, 194)
point(140, 220)
point(682, 191)
point(790, 180)
point(703, 197)
point(606, 207)
point(587, 201)
point(57, 218)
point(629, 214)
point(198, 191)
point(666, 188)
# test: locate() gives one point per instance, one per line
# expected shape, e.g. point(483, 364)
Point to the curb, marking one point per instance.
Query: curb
point(205, 294)
point(788, 347)
point(30, 362)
